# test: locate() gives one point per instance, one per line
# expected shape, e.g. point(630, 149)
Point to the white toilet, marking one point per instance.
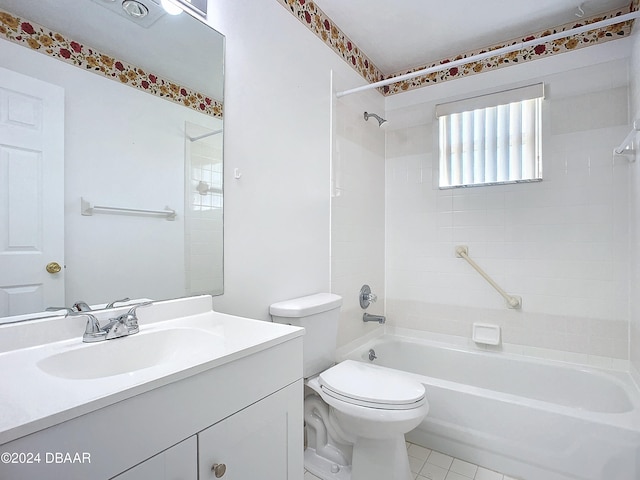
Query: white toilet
point(370, 408)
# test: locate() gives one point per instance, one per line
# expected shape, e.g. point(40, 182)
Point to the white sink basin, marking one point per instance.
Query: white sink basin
point(132, 353)
point(46, 359)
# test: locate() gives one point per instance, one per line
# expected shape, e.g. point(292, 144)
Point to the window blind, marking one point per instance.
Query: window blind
point(491, 139)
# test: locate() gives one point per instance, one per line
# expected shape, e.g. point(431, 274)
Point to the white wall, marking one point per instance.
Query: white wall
point(123, 147)
point(277, 134)
point(561, 244)
point(634, 214)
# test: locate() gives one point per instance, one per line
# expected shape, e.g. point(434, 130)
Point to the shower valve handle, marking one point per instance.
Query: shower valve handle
point(366, 297)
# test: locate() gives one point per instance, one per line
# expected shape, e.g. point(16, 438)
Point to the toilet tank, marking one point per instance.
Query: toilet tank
point(319, 315)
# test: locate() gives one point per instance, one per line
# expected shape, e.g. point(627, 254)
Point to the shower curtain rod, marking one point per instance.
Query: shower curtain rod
point(500, 51)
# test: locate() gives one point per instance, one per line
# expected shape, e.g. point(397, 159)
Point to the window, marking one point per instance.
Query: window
point(491, 139)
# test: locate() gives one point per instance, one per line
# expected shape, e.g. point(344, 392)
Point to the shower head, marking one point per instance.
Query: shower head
point(377, 117)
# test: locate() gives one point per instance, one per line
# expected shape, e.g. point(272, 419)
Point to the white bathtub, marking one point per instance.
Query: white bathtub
point(528, 418)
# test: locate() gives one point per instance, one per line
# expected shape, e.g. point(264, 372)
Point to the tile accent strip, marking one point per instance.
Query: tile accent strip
point(320, 24)
point(56, 45)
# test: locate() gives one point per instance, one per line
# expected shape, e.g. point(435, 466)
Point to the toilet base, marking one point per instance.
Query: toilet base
point(380, 459)
point(323, 468)
point(372, 460)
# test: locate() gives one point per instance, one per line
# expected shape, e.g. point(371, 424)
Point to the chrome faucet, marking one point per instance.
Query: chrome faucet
point(366, 317)
point(126, 324)
point(122, 326)
point(92, 332)
point(81, 306)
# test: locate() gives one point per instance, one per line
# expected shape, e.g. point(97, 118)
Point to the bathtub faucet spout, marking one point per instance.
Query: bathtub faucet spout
point(373, 318)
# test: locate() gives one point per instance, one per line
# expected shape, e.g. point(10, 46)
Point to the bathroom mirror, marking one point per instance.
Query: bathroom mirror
point(134, 209)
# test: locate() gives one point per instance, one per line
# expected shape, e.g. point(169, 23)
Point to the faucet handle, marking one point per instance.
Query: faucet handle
point(111, 304)
point(130, 318)
point(93, 325)
point(81, 306)
point(118, 327)
point(92, 332)
point(132, 310)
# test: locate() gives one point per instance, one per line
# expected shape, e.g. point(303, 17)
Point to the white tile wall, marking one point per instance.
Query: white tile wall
point(561, 244)
point(357, 210)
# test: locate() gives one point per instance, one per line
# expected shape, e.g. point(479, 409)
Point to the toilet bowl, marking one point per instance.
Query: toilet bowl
point(370, 408)
point(372, 401)
point(374, 408)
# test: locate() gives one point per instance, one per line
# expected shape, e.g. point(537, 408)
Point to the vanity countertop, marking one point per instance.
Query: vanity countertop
point(177, 339)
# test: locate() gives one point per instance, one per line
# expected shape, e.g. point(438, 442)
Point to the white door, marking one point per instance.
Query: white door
point(31, 194)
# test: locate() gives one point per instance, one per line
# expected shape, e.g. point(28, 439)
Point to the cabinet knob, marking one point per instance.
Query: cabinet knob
point(219, 469)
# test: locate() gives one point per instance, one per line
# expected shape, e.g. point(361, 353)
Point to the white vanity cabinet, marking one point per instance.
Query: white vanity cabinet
point(252, 443)
point(255, 443)
point(179, 462)
point(245, 412)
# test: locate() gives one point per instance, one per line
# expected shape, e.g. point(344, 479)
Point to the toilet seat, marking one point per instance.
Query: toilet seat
point(371, 386)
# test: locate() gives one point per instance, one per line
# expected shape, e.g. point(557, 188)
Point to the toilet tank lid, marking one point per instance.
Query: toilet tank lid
point(304, 306)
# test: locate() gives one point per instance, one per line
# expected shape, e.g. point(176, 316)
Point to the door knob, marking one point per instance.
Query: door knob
point(219, 469)
point(53, 267)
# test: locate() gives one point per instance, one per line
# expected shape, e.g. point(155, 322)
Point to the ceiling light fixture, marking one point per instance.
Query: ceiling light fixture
point(135, 8)
point(170, 7)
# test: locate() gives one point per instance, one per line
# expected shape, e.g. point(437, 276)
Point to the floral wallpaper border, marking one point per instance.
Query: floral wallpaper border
point(544, 49)
point(320, 24)
point(56, 45)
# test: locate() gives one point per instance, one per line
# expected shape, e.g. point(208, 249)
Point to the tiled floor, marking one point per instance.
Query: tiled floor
point(431, 465)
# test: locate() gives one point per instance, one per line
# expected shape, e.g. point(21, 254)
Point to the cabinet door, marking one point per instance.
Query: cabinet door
point(176, 463)
point(263, 441)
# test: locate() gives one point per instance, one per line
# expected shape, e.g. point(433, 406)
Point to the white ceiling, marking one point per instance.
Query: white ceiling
point(401, 34)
